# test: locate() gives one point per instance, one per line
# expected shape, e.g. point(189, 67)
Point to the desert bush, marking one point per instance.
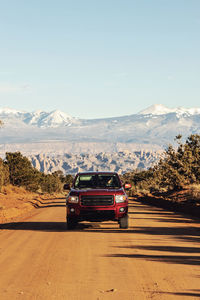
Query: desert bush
point(60, 175)
point(179, 167)
point(4, 174)
point(21, 172)
point(69, 179)
point(51, 183)
point(195, 191)
point(18, 170)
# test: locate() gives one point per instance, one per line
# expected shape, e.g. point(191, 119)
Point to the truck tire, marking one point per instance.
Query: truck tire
point(71, 223)
point(123, 222)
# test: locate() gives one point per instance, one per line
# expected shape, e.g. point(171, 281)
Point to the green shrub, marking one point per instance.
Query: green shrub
point(21, 172)
point(4, 174)
point(18, 170)
point(51, 183)
point(178, 168)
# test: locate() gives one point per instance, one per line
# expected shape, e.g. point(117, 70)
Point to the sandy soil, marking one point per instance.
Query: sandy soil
point(17, 202)
point(158, 257)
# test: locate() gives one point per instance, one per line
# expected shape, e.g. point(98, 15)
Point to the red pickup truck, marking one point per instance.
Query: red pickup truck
point(97, 196)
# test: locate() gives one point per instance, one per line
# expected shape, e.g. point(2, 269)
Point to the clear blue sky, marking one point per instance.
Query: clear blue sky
point(99, 58)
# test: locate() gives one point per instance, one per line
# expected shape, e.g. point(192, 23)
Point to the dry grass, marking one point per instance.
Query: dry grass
point(195, 191)
point(10, 189)
point(16, 202)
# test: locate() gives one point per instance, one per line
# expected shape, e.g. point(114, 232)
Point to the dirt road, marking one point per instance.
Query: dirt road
point(158, 257)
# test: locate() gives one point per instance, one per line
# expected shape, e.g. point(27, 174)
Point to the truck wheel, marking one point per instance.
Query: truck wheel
point(123, 222)
point(71, 223)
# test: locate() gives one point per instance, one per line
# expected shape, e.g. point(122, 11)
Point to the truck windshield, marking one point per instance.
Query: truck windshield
point(96, 181)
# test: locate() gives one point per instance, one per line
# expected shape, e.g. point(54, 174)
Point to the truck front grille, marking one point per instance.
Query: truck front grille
point(95, 200)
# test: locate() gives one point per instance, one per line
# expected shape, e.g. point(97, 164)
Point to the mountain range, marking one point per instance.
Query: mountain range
point(57, 141)
point(156, 125)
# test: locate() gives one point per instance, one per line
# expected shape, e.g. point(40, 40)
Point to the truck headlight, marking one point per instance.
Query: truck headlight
point(120, 198)
point(72, 199)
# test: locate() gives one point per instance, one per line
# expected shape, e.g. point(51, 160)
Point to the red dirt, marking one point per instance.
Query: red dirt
point(17, 202)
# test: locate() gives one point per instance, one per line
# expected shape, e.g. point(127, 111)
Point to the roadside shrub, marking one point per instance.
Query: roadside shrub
point(18, 170)
point(69, 179)
point(21, 172)
point(179, 167)
point(4, 174)
point(195, 191)
point(51, 183)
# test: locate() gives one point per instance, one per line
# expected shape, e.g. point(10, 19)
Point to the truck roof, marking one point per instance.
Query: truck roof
point(96, 173)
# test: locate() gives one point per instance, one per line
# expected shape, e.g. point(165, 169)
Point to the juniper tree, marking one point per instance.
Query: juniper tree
point(192, 147)
point(50, 183)
point(4, 174)
point(21, 171)
point(179, 167)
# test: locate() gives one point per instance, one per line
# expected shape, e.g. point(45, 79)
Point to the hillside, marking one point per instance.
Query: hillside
point(16, 202)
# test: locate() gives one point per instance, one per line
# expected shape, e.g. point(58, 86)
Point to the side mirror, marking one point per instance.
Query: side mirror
point(127, 186)
point(66, 186)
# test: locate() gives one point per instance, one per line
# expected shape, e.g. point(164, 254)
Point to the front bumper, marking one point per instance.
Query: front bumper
point(96, 213)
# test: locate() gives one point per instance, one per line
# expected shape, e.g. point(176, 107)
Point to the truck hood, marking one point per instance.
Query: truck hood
point(97, 191)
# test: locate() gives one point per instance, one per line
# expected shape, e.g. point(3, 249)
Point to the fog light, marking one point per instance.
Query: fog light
point(72, 210)
point(122, 209)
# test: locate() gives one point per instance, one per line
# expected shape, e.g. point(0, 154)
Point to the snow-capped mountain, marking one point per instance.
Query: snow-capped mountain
point(9, 111)
point(43, 119)
point(156, 109)
point(159, 109)
point(156, 125)
point(37, 118)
